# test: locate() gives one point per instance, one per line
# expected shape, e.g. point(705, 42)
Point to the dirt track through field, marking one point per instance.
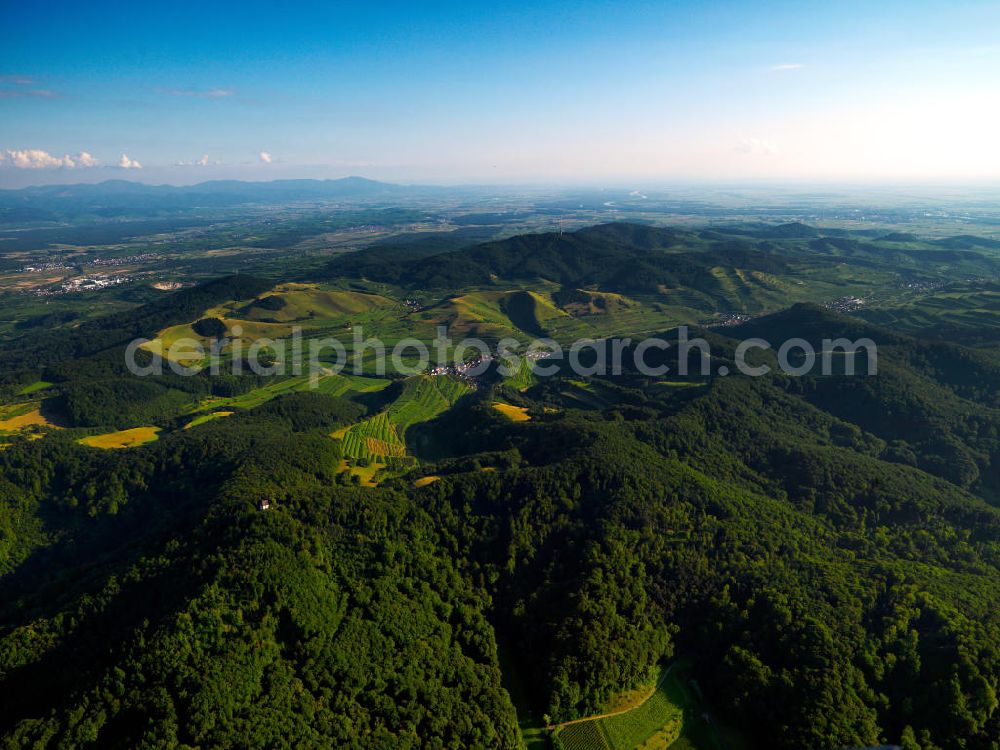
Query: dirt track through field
point(597, 717)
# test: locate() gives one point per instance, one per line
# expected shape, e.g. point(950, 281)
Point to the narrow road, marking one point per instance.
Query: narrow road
point(663, 678)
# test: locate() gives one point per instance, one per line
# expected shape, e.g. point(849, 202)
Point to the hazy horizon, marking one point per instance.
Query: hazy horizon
point(930, 189)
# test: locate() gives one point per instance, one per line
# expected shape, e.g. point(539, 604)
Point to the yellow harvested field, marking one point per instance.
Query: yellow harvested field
point(31, 418)
point(123, 438)
point(514, 413)
point(424, 481)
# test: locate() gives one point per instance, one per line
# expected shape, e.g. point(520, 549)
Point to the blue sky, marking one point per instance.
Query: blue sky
point(551, 92)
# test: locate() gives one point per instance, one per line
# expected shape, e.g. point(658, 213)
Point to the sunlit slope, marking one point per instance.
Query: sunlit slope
point(382, 436)
point(303, 303)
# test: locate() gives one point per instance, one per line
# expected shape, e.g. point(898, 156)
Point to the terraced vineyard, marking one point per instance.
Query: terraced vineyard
point(382, 436)
point(585, 736)
point(425, 397)
point(374, 438)
point(656, 723)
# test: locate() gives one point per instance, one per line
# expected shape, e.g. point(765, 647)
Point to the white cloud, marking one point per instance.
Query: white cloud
point(202, 94)
point(204, 161)
point(755, 146)
point(266, 157)
point(126, 163)
point(36, 158)
point(17, 80)
point(786, 67)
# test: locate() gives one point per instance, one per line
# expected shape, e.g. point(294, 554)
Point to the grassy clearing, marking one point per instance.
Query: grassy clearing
point(179, 343)
point(592, 302)
point(123, 438)
point(472, 314)
point(497, 314)
point(330, 384)
point(366, 474)
point(673, 717)
point(424, 481)
point(307, 303)
point(38, 385)
point(165, 341)
point(524, 378)
point(257, 396)
point(513, 413)
point(207, 418)
point(341, 384)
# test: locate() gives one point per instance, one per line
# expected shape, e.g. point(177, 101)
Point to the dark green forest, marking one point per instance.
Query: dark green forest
point(823, 550)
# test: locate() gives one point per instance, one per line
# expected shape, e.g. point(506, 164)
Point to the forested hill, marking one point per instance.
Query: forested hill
point(147, 602)
point(820, 548)
point(936, 404)
point(646, 260)
point(45, 348)
point(426, 562)
point(626, 258)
